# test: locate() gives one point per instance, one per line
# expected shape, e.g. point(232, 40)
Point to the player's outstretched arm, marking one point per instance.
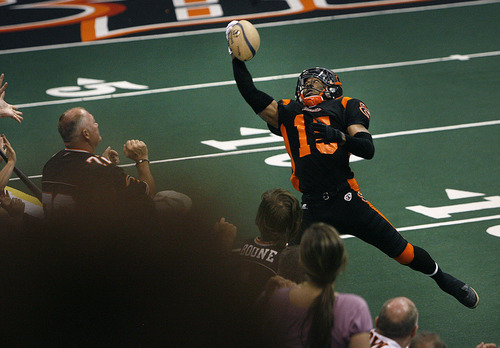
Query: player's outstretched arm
point(262, 104)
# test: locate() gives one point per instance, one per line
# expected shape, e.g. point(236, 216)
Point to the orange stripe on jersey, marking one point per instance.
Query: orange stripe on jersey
point(407, 255)
point(285, 101)
point(294, 179)
point(344, 101)
point(354, 185)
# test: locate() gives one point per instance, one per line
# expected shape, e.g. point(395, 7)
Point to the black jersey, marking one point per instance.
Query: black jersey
point(264, 255)
point(319, 167)
point(258, 262)
point(78, 181)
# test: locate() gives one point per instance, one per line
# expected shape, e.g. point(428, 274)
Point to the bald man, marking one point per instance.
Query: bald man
point(396, 324)
point(77, 183)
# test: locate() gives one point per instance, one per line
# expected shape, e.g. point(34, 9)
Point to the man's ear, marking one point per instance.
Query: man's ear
point(414, 331)
point(86, 133)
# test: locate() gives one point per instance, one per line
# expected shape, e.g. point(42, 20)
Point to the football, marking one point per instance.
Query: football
point(244, 40)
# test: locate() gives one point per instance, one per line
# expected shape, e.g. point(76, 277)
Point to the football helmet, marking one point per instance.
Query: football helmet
point(332, 87)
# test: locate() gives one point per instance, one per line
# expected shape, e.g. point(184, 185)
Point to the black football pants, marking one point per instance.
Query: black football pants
point(350, 213)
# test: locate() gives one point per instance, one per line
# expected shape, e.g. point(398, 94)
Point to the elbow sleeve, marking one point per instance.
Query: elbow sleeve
point(257, 100)
point(361, 144)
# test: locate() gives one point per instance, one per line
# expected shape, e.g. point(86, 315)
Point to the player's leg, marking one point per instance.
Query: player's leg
point(419, 260)
point(364, 221)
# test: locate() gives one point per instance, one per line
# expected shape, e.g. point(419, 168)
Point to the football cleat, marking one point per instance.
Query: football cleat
point(464, 293)
point(469, 296)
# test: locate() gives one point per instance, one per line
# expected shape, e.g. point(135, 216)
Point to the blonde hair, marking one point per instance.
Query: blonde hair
point(279, 216)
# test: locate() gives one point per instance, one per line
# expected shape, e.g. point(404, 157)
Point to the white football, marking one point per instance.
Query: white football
point(244, 40)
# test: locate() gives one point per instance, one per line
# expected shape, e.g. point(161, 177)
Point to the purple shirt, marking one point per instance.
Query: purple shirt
point(283, 320)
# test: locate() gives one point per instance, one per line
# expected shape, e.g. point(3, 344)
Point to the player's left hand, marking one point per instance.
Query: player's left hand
point(327, 134)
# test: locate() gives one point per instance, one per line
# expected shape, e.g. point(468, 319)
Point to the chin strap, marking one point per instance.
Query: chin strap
point(312, 100)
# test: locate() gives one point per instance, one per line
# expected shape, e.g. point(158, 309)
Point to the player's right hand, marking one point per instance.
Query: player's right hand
point(326, 134)
point(228, 30)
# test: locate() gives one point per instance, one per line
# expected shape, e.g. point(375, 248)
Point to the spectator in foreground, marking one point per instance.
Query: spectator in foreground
point(396, 324)
point(78, 183)
point(278, 219)
point(311, 314)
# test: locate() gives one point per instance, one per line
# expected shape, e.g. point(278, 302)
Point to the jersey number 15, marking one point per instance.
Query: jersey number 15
point(305, 148)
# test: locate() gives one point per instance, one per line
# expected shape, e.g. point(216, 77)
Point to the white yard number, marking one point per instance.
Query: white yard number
point(446, 211)
point(263, 136)
point(90, 87)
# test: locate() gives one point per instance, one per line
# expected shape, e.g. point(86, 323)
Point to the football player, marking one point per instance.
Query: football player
point(320, 129)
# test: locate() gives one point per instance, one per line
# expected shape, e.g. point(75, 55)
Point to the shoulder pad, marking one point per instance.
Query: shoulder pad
point(344, 101)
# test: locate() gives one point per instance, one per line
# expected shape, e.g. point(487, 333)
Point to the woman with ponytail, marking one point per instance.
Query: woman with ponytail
point(311, 314)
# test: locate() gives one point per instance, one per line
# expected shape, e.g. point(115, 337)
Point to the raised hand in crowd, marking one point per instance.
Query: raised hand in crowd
point(111, 155)
point(136, 150)
point(7, 170)
point(7, 110)
point(486, 345)
point(13, 206)
point(225, 233)
point(8, 149)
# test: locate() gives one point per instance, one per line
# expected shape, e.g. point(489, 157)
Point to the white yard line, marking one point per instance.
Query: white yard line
point(438, 224)
point(453, 57)
point(282, 147)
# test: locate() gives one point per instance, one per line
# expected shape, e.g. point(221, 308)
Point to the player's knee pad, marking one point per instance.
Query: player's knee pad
point(407, 256)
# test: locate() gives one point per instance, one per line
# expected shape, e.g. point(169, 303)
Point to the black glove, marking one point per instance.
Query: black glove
point(326, 134)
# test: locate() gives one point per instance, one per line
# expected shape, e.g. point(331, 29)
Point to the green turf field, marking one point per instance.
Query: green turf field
point(430, 79)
